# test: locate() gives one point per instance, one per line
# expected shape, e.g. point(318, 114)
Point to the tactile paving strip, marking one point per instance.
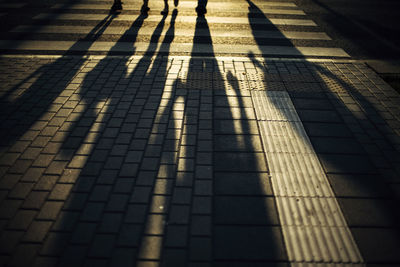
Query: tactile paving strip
point(313, 225)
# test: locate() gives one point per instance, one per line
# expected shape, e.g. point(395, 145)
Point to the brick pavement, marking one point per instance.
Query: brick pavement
point(158, 161)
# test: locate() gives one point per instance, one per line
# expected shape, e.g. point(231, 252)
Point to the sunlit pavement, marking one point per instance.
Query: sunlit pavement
point(168, 160)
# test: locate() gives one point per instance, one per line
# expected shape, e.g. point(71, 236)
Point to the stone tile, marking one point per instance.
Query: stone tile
point(336, 145)
point(50, 210)
point(200, 248)
point(102, 246)
point(239, 162)
point(377, 244)
point(123, 257)
point(110, 223)
point(249, 243)
point(359, 186)
point(243, 143)
point(24, 255)
point(326, 129)
point(253, 184)
point(46, 183)
point(176, 236)
point(155, 224)
point(129, 235)
point(92, 212)
point(60, 192)
point(136, 213)
point(22, 220)
point(201, 225)
point(380, 212)
point(345, 163)
point(246, 210)
point(37, 231)
point(174, 257)
point(150, 248)
point(324, 116)
point(55, 244)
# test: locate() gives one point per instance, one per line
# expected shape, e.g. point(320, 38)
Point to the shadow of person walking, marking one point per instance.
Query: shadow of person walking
point(336, 104)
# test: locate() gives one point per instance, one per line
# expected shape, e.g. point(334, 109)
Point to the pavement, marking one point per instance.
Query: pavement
point(174, 158)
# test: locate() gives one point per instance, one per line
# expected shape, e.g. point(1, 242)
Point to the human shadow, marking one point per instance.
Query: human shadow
point(236, 220)
point(118, 173)
point(349, 134)
point(22, 110)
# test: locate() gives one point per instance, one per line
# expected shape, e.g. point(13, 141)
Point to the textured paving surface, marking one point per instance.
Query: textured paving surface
point(123, 160)
point(169, 161)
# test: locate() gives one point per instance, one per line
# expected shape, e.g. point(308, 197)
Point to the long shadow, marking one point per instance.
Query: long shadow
point(244, 216)
point(20, 111)
point(116, 158)
point(351, 138)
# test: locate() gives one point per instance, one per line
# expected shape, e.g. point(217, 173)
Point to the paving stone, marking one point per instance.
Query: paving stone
point(239, 162)
point(136, 213)
point(326, 129)
point(249, 243)
point(246, 210)
point(345, 163)
point(123, 257)
point(160, 204)
point(117, 203)
point(110, 222)
point(66, 221)
point(37, 231)
point(380, 212)
point(55, 244)
point(46, 183)
point(202, 205)
point(360, 186)
point(336, 145)
point(323, 116)
point(124, 185)
point(9, 240)
point(24, 255)
point(150, 248)
point(22, 220)
point(21, 190)
point(174, 257)
point(73, 255)
point(50, 210)
point(92, 212)
point(130, 235)
point(155, 224)
point(102, 246)
point(141, 194)
point(314, 104)
point(176, 236)
point(83, 233)
point(60, 192)
point(32, 174)
point(9, 207)
point(8, 181)
point(45, 262)
point(200, 249)
point(182, 195)
point(244, 143)
point(377, 245)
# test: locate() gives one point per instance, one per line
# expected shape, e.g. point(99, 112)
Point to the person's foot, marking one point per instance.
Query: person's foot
point(176, 2)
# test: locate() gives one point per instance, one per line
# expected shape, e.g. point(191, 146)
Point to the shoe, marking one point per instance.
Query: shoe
point(176, 2)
